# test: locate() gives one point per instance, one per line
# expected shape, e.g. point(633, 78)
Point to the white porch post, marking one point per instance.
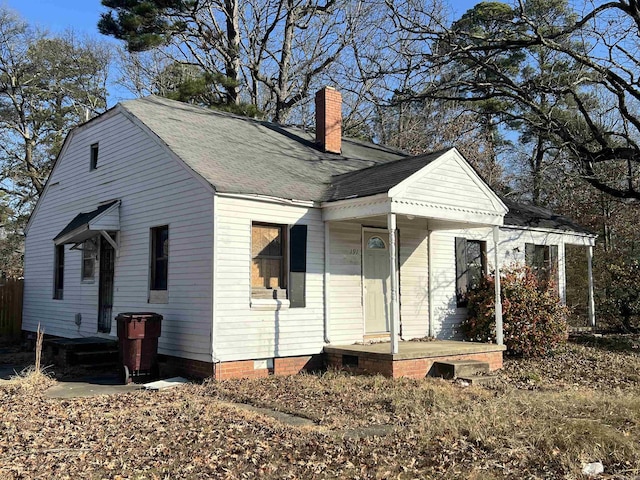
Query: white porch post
point(499, 332)
point(592, 305)
point(327, 282)
point(430, 282)
point(394, 307)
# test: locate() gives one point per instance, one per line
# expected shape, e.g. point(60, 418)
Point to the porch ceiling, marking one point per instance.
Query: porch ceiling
point(413, 350)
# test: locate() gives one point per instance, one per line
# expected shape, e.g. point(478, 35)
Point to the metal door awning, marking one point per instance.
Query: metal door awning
point(105, 218)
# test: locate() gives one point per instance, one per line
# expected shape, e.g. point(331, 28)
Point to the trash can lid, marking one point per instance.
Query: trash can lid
point(138, 315)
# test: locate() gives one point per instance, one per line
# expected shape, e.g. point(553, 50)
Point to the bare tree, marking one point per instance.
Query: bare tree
point(290, 44)
point(593, 134)
point(47, 85)
point(268, 53)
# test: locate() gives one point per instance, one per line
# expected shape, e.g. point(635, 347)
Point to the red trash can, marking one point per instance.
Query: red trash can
point(138, 334)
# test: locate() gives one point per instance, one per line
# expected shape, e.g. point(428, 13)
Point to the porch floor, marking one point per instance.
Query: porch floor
point(414, 359)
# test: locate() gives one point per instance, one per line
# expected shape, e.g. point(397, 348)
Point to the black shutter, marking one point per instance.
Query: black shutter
point(297, 265)
point(461, 271)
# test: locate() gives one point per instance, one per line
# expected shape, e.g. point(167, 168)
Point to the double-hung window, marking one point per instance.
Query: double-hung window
point(543, 261)
point(89, 256)
point(471, 266)
point(159, 264)
point(58, 274)
point(268, 279)
point(278, 262)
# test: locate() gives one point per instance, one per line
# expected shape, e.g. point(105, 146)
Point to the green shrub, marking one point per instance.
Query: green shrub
point(534, 319)
point(618, 298)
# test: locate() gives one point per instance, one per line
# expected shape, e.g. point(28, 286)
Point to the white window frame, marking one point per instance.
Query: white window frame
point(83, 277)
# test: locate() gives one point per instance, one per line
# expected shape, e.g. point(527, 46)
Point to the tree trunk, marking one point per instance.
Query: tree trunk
point(284, 65)
point(537, 160)
point(232, 65)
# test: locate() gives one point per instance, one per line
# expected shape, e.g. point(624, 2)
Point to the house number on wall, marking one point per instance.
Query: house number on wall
point(354, 251)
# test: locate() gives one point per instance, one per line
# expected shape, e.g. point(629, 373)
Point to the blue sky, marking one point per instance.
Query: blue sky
point(58, 15)
point(82, 17)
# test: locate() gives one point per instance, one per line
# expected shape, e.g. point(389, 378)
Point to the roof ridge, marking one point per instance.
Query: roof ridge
point(265, 123)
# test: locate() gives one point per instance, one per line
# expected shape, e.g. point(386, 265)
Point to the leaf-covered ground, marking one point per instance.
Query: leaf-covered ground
point(545, 418)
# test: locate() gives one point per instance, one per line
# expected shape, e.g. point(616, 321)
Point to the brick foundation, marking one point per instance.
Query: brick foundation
point(412, 368)
point(241, 368)
point(176, 366)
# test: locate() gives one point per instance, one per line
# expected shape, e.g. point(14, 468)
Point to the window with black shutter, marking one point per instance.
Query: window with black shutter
point(279, 262)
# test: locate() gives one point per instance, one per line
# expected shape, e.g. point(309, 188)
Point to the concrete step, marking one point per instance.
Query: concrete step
point(479, 380)
point(459, 368)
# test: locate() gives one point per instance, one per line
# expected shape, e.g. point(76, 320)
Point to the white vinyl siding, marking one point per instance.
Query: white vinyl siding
point(511, 248)
point(414, 283)
point(450, 183)
point(155, 189)
point(345, 287)
point(447, 316)
point(346, 312)
point(245, 333)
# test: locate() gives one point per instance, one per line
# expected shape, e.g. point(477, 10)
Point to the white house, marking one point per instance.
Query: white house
point(260, 244)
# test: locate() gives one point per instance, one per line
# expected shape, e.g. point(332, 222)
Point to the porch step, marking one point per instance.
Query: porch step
point(87, 351)
point(459, 368)
point(479, 380)
point(93, 358)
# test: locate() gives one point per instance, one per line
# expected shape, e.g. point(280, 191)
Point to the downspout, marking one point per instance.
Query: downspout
point(327, 280)
point(498, 303)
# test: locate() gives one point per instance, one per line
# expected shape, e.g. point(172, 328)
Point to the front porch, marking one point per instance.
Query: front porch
point(414, 359)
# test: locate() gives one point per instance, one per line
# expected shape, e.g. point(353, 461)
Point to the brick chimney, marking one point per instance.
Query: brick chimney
point(329, 120)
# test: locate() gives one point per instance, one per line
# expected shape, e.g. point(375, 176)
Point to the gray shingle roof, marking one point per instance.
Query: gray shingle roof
point(243, 155)
point(83, 219)
point(379, 178)
point(530, 216)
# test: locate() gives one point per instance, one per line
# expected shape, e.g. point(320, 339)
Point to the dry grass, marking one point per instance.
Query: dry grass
point(438, 429)
point(503, 432)
point(338, 400)
point(544, 419)
point(34, 378)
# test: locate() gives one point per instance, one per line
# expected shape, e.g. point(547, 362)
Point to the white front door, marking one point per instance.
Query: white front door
point(376, 278)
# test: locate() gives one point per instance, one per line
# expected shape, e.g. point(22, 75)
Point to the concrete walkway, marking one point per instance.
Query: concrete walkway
point(107, 384)
point(104, 384)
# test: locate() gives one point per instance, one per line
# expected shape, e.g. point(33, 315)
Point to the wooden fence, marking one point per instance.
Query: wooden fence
point(11, 308)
